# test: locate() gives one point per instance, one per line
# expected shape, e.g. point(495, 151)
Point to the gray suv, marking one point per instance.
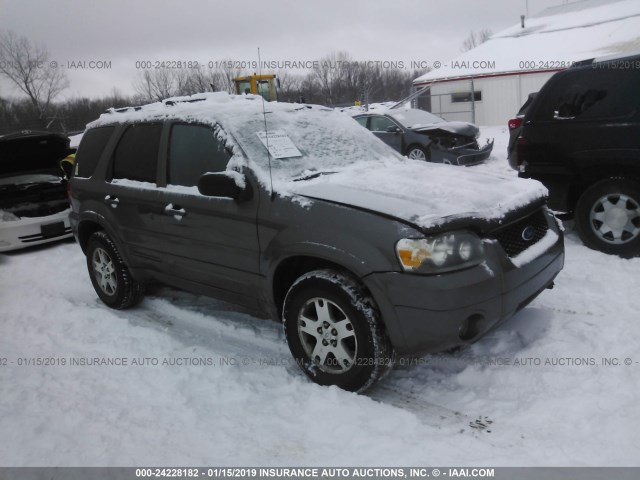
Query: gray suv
point(299, 213)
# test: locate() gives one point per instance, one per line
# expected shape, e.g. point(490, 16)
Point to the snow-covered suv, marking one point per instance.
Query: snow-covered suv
point(300, 212)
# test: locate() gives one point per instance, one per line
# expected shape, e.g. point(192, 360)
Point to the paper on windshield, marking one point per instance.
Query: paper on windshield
point(279, 144)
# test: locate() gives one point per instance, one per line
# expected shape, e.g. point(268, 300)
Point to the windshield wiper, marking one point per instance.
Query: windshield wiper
point(311, 176)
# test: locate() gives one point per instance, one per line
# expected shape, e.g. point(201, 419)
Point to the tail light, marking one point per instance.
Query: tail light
point(515, 123)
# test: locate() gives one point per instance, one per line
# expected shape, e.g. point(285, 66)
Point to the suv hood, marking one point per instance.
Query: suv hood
point(28, 152)
point(424, 194)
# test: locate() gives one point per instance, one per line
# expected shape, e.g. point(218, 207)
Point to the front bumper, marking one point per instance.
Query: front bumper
point(465, 156)
point(427, 314)
point(27, 232)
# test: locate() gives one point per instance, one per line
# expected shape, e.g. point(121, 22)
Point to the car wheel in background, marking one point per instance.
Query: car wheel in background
point(608, 217)
point(109, 274)
point(334, 331)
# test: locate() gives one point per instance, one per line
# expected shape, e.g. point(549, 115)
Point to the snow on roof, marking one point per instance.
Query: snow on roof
point(373, 107)
point(209, 107)
point(552, 40)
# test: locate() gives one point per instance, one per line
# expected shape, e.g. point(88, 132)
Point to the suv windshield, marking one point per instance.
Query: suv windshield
point(326, 142)
point(415, 118)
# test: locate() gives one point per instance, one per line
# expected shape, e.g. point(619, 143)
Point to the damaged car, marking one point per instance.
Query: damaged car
point(421, 135)
point(34, 208)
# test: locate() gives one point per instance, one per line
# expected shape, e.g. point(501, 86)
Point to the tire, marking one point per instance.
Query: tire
point(109, 274)
point(331, 307)
point(608, 217)
point(416, 152)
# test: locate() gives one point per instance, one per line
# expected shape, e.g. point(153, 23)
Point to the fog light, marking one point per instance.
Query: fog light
point(471, 327)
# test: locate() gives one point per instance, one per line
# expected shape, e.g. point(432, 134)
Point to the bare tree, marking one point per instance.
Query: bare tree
point(158, 84)
point(155, 85)
point(476, 38)
point(289, 86)
point(28, 68)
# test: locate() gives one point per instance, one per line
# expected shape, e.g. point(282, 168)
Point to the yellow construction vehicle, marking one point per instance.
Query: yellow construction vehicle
point(265, 85)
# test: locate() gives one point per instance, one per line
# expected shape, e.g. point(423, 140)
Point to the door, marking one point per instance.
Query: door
point(131, 195)
point(211, 243)
point(386, 130)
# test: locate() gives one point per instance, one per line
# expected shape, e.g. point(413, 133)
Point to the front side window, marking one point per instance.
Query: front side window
point(136, 155)
point(380, 124)
point(193, 151)
point(243, 86)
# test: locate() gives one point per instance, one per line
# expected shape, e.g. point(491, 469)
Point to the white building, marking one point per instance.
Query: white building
point(518, 61)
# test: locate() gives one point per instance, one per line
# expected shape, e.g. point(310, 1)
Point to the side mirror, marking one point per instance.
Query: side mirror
point(393, 129)
point(224, 185)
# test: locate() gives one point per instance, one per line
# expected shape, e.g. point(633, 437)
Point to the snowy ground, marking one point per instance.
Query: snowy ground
point(252, 407)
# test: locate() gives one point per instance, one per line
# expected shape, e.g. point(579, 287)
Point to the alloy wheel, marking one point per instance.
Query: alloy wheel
point(104, 271)
point(615, 218)
point(327, 335)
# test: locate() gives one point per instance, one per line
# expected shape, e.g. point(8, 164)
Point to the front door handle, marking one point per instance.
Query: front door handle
point(111, 200)
point(175, 211)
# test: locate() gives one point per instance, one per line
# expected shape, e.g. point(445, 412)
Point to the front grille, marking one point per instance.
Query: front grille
point(512, 238)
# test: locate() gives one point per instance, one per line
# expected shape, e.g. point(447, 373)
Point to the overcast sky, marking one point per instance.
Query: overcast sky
point(124, 32)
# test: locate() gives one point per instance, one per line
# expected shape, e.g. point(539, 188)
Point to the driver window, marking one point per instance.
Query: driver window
point(193, 151)
point(380, 124)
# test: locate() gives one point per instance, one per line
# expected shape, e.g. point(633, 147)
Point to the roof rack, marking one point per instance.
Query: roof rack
point(170, 102)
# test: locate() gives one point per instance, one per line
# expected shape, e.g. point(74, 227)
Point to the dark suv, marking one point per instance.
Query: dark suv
point(581, 138)
point(300, 213)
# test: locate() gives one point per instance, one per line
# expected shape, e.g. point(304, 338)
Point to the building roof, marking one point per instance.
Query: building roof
point(550, 41)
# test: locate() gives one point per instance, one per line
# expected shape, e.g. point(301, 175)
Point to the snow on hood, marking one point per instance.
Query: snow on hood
point(458, 128)
point(424, 194)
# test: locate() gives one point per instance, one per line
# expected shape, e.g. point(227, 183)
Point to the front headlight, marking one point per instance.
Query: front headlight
point(440, 253)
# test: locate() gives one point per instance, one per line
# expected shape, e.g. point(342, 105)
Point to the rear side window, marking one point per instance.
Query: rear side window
point(193, 151)
point(136, 155)
point(91, 147)
point(595, 93)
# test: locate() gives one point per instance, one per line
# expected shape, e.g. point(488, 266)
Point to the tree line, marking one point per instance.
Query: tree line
point(335, 80)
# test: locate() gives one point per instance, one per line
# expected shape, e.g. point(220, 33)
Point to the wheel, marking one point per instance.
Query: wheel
point(416, 152)
point(608, 217)
point(334, 331)
point(109, 274)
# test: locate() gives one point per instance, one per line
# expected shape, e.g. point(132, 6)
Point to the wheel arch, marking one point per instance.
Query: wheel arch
point(291, 268)
point(91, 223)
point(424, 146)
point(592, 176)
point(86, 228)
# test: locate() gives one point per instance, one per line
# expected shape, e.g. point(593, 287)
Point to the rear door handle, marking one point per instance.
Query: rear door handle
point(111, 200)
point(175, 211)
